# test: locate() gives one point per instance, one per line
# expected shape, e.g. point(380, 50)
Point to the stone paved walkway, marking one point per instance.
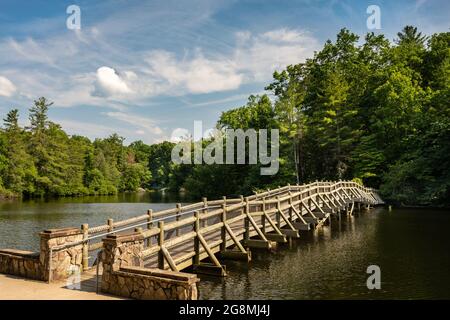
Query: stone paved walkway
point(12, 287)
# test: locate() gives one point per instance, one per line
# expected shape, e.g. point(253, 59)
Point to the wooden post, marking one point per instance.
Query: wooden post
point(149, 225)
point(204, 211)
point(263, 217)
point(177, 218)
point(205, 205)
point(196, 240)
point(242, 200)
point(277, 214)
point(223, 245)
point(110, 223)
point(149, 218)
point(246, 220)
point(300, 205)
point(85, 229)
point(161, 244)
point(290, 205)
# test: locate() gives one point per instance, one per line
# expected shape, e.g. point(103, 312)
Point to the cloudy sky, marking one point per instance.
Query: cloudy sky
point(145, 68)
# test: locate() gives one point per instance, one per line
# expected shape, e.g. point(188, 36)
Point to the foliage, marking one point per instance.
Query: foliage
point(372, 111)
point(42, 160)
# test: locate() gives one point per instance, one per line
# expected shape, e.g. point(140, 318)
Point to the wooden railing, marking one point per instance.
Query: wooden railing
point(182, 236)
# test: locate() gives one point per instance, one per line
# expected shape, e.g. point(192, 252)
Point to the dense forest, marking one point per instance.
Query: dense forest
point(374, 111)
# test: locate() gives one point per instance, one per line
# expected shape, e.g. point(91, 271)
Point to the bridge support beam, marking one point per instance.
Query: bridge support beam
point(302, 226)
point(259, 244)
point(290, 233)
point(312, 220)
point(280, 238)
point(209, 269)
point(202, 267)
point(235, 255)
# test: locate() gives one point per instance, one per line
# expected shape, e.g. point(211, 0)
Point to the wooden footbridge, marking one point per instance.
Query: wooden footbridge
point(141, 257)
point(181, 237)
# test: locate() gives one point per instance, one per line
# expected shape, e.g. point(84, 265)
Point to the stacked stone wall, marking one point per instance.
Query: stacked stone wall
point(21, 263)
point(60, 256)
point(125, 276)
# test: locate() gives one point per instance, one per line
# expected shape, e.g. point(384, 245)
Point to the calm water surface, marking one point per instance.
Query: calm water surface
point(412, 248)
point(21, 221)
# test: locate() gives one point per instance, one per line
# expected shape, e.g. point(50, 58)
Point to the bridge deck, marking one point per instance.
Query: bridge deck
point(175, 243)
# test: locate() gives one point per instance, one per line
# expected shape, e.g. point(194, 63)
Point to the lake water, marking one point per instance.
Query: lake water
point(21, 221)
point(411, 247)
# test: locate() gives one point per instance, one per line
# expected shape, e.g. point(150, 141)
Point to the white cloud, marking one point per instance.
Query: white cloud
point(109, 83)
point(179, 135)
point(195, 75)
point(284, 36)
point(258, 56)
point(143, 123)
point(42, 68)
point(254, 58)
point(96, 130)
point(7, 88)
point(140, 132)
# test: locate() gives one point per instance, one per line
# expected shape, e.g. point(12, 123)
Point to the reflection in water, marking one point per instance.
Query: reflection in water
point(331, 262)
point(410, 246)
point(21, 221)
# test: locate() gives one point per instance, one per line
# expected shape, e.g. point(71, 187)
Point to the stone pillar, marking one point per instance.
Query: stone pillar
point(120, 251)
point(58, 261)
point(124, 273)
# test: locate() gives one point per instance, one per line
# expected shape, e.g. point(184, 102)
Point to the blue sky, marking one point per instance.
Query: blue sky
point(145, 68)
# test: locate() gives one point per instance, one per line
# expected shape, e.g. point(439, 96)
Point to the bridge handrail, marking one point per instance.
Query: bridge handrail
point(180, 213)
point(201, 205)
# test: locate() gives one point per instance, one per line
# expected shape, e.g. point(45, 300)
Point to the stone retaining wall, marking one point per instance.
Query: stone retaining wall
point(21, 263)
point(124, 274)
point(153, 284)
point(52, 263)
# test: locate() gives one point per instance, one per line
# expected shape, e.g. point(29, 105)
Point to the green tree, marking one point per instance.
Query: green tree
point(19, 173)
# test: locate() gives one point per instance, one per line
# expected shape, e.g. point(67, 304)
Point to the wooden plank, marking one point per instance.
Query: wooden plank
point(169, 259)
point(255, 226)
point(208, 250)
point(152, 250)
point(161, 244)
point(317, 206)
point(209, 269)
point(302, 226)
point(178, 224)
point(309, 211)
point(290, 233)
point(211, 228)
point(177, 240)
point(254, 243)
point(286, 220)
point(297, 213)
point(235, 240)
point(281, 238)
point(235, 255)
point(277, 230)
